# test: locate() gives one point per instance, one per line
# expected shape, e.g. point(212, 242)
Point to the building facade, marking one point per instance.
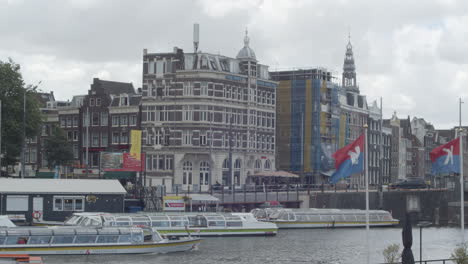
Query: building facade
point(308, 122)
point(207, 118)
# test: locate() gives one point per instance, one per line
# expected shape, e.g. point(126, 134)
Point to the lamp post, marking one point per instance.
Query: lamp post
point(421, 225)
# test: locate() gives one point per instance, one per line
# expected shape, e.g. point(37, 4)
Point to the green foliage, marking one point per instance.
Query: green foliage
point(460, 254)
point(57, 149)
point(392, 253)
point(12, 91)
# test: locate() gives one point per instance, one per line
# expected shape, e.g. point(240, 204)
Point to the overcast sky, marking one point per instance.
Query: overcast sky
point(412, 53)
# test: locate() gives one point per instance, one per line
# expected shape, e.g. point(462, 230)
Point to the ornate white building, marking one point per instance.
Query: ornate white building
point(207, 118)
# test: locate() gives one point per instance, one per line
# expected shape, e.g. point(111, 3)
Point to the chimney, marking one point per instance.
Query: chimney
point(196, 32)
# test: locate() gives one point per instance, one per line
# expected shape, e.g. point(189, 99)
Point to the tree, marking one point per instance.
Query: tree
point(12, 92)
point(58, 151)
point(392, 253)
point(460, 254)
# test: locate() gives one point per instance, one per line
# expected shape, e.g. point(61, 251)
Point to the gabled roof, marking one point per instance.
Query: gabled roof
point(61, 186)
point(111, 87)
point(134, 100)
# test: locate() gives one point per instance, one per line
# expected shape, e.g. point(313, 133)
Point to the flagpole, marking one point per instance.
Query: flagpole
point(462, 182)
point(366, 179)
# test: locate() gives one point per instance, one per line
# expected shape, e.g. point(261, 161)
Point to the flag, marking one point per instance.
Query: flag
point(135, 141)
point(349, 160)
point(446, 158)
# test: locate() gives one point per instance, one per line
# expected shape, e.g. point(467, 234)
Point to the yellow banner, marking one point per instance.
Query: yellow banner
point(135, 140)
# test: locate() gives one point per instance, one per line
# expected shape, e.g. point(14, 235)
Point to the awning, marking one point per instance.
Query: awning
point(196, 197)
point(119, 175)
point(45, 174)
point(275, 174)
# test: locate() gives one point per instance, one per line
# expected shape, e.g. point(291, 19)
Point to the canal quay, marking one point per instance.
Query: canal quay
point(335, 246)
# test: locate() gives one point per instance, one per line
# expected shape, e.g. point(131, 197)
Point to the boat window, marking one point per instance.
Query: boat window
point(63, 239)
point(350, 218)
point(94, 222)
point(216, 223)
point(85, 239)
point(283, 216)
point(234, 223)
point(197, 221)
point(158, 218)
point(107, 239)
point(233, 218)
point(73, 220)
point(338, 218)
point(13, 240)
point(300, 217)
point(2, 240)
point(137, 238)
point(361, 218)
point(160, 223)
point(177, 223)
point(39, 240)
point(140, 223)
point(125, 238)
point(121, 224)
point(326, 218)
point(126, 219)
point(373, 217)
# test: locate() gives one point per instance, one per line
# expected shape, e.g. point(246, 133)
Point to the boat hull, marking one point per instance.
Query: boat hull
point(102, 249)
point(293, 224)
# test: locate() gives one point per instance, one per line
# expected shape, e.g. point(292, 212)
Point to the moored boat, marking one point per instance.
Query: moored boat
point(88, 241)
point(181, 224)
point(323, 218)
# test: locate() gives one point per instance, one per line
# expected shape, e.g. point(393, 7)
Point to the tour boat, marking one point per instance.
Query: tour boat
point(88, 241)
point(320, 218)
point(181, 224)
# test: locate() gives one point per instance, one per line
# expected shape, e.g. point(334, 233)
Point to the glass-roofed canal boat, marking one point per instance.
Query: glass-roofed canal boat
point(182, 224)
point(323, 218)
point(88, 241)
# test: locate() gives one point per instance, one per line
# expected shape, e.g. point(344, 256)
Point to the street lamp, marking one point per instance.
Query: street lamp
point(422, 224)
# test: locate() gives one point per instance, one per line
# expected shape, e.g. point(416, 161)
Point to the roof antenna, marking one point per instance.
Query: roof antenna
point(196, 31)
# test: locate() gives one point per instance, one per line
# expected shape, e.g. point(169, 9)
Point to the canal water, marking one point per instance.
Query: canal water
point(293, 246)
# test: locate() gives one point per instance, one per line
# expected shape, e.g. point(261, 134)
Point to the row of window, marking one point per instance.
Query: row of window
point(159, 162)
point(70, 239)
point(219, 90)
point(61, 203)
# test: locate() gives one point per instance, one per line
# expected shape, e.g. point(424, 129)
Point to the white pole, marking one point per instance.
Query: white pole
point(366, 178)
point(462, 182)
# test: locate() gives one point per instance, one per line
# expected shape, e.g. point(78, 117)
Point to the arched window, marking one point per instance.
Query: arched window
point(187, 173)
point(237, 171)
point(267, 165)
point(258, 165)
point(226, 164)
point(204, 173)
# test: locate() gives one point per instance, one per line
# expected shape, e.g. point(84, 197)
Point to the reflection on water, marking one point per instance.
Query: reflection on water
point(293, 246)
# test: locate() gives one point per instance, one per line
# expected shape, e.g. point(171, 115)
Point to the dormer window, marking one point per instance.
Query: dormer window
point(124, 100)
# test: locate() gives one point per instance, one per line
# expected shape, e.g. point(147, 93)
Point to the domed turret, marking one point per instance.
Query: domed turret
point(246, 52)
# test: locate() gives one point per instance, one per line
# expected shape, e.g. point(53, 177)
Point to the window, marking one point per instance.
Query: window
point(68, 203)
point(17, 203)
point(186, 137)
point(115, 121)
point(115, 137)
point(133, 120)
point(104, 139)
point(123, 120)
point(203, 139)
point(69, 135)
point(91, 102)
point(75, 135)
point(104, 119)
point(204, 173)
point(95, 139)
point(98, 101)
point(63, 122)
point(63, 239)
point(69, 121)
point(187, 173)
point(75, 151)
point(124, 138)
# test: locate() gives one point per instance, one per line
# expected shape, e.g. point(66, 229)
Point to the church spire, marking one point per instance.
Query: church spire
point(349, 69)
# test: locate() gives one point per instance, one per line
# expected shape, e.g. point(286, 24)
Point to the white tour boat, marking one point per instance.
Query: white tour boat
point(88, 241)
point(181, 224)
point(322, 218)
